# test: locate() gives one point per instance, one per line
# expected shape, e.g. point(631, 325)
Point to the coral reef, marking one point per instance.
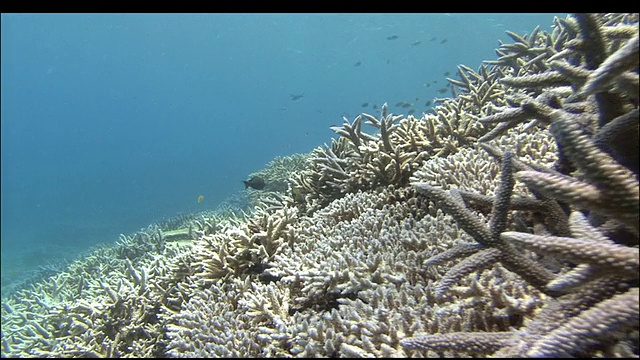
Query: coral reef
point(505, 223)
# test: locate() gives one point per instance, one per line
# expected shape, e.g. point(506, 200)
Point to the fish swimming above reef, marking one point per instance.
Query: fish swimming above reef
point(200, 198)
point(256, 182)
point(365, 104)
point(296, 97)
point(416, 43)
point(358, 63)
point(443, 41)
point(392, 37)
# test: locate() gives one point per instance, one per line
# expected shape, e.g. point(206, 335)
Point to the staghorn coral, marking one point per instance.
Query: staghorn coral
point(352, 260)
point(277, 176)
point(599, 295)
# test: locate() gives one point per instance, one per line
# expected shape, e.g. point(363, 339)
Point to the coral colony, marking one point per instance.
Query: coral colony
point(502, 223)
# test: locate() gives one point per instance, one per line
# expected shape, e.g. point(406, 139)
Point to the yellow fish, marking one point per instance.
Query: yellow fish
point(200, 198)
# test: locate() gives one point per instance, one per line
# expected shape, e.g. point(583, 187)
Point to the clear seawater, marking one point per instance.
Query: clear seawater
point(112, 122)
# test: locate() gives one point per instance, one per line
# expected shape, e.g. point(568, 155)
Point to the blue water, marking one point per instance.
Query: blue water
point(112, 122)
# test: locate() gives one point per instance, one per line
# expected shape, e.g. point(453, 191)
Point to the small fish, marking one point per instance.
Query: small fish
point(256, 182)
point(434, 38)
point(443, 90)
point(428, 103)
point(417, 99)
point(435, 81)
point(427, 84)
point(375, 106)
point(392, 37)
point(416, 43)
point(443, 41)
point(296, 97)
point(200, 198)
point(358, 63)
point(406, 105)
point(388, 61)
point(399, 104)
point(365, 104)
point(412, 111)
point(447, 73)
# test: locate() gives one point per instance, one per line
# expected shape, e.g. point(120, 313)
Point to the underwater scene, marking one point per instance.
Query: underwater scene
point(320, 185)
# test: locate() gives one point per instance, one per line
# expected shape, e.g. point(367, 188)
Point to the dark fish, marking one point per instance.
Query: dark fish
point(447, 73)
point(255, 182)
point(365, 104)
point(427, 84)
point(435, 81)
point(358, 63)
point(388, 61)
point(434, 38)
point(417, 99)
point(428, 103)
point(257, 268)
point(412, 111)
point(406, 105)
point(399, 104)
point(375, 106)
point(443, 41)
point(296, 97)
point(392, 37)
point(443, 90)
point(416, 43)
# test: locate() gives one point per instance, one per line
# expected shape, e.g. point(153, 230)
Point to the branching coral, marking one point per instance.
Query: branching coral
point(353, 257)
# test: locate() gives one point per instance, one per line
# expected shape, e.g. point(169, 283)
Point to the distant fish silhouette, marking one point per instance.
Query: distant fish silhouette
point(296, 97)
point(412, 111)
point(392, 37)
point(434, 38)
point(427, 84)
point(443, 41)
point(406, 105)
point(200, 198)
point(399, 104)
point(255, 182)
point(447, 73)
point(443, 90)
point(358, 63)
point(375, 106)
point(416, 43)
point(388, 61)
point(365, 104)
point(428, 103)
